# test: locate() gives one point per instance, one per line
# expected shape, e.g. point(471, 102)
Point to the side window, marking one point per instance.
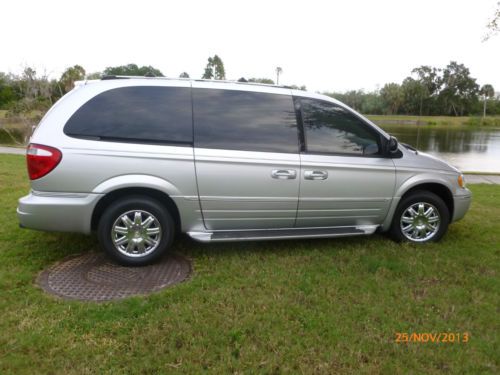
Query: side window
point(243, 120)
point(332, 129)
point(151, 114)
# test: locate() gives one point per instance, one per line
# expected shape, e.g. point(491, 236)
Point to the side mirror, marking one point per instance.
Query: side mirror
point(392, 145)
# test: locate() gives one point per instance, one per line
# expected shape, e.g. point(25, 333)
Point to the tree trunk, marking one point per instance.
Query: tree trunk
point(484, 108)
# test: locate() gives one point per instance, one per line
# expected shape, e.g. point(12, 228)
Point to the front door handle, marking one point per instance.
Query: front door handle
point(284, 174)
point(315, 175)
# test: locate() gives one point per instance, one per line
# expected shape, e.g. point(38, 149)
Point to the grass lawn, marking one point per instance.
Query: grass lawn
point(322, 306)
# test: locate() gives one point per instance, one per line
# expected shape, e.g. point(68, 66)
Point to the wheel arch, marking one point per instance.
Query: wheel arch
point(441, 190)
point(418, 183)
point(114, 195)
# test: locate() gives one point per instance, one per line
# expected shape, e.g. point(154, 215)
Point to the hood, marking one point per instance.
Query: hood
point(418, 159)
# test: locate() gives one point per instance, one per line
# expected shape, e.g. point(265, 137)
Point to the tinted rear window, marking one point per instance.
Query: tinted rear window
point(243, 120)
point(141, 113)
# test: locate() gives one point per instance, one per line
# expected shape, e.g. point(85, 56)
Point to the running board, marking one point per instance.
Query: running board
point(281, 234)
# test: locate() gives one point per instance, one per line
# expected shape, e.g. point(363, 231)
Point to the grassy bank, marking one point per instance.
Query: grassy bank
point(13, 137)
point(14, 129)
point(436, 120)
point(323, 306)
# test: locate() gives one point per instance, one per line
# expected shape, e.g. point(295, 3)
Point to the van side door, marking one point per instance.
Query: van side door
point(345, 178)
point(246, 156)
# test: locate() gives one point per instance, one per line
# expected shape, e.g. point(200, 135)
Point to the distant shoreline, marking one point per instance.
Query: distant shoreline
point(488, 121)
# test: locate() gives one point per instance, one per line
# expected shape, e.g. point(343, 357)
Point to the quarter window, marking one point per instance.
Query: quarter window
point(244, 120)
point(330, 128)
point(150, 114)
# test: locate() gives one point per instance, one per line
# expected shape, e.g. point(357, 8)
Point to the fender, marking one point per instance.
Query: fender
point(424, 178)
point(137, 180)
point(187, 206)
point(411, 182)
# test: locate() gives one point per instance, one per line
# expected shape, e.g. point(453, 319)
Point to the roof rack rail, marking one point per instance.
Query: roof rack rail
point(111, 77)
point(107, 77)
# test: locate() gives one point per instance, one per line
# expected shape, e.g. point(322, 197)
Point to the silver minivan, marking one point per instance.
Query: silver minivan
point(140, 159)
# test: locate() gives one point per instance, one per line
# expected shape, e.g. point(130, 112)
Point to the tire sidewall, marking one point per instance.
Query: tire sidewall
point(123, 205)
point(420, 196)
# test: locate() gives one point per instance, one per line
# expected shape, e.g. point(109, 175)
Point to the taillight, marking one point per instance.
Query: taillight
point(41, 160)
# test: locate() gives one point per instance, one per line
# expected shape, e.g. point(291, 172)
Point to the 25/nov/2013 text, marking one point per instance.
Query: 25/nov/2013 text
point(428, 337)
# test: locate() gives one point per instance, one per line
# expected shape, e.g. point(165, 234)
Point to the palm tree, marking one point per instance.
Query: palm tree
point(488, 92)
point(279, 70)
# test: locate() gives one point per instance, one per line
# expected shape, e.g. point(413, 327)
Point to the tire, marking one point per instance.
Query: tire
point(140, 239)
point(420, 217)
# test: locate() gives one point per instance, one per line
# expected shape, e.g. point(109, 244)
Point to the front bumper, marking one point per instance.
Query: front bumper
point(58, 212)
point(461, 204)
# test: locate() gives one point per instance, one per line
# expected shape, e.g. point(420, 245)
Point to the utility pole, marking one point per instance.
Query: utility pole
point(279, 70)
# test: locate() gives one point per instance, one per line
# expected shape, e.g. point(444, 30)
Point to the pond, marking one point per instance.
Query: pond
point(471, 149)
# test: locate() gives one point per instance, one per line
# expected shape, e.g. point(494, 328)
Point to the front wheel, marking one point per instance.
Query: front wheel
point(136, 231)
point(420, 217)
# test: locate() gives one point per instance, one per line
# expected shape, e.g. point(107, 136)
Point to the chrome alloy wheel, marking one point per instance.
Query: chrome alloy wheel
point(136, 233)
point(420, 222)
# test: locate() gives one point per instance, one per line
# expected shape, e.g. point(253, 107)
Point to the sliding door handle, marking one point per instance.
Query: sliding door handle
point(315, 175)
point(284, 174)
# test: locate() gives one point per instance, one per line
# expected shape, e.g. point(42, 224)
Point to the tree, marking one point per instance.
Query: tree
point(372, 103)
point(295, 87)
point(459, 90)
point(36, 96)
point(393, 97)
point(494, 25)
point(429, 79)
point(354, 99)
point(414, 92)
point(132, 70)
point(220, 71)
point(209, 70)
point(7, 93)
point(429, 90)
point(184, 75)
point(488, 92)
point(369, 103)
point(279, 70)
point(94, 75)
point(214, 69)
point(70, 75)
point(266, 81)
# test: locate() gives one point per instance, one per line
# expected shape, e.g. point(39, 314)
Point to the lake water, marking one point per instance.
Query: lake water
point(470, 149)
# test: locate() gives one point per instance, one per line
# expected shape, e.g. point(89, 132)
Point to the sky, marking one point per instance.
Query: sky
point(326, 45)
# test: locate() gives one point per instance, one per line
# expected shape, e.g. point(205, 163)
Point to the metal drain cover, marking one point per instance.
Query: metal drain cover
point(92, 277)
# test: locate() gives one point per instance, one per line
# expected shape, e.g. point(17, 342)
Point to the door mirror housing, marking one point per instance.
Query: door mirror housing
point(391, 146)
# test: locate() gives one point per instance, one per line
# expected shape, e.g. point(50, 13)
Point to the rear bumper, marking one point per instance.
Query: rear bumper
point(58, 212)
point(461, 204)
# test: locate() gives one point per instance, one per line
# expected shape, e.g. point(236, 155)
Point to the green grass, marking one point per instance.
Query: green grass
point(482, 173)
point(436, 120)
point(322, 306)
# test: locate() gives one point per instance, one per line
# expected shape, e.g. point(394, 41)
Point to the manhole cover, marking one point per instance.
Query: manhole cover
point(92, 277)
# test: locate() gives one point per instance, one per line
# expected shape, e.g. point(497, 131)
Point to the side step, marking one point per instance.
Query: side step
point(281, 234)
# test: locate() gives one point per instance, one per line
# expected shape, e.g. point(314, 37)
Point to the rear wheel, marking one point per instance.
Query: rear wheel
point(136, 230)
point(420, 217)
